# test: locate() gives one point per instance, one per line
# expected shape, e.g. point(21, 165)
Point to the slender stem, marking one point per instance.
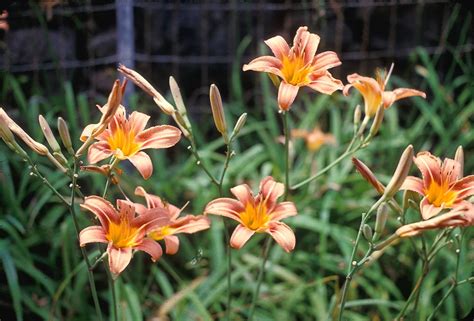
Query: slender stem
point(266, 250)
point(353, 266)
point(455, 280)
point(349, 151)
point(195, 152)
point(90, 273)
point(226, 234)
point(286, 132)
point(415, 291)
point(114, 298)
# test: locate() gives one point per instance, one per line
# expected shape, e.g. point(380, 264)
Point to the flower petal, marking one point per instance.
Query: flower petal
point(414, 184)
point(240, 236)
point(137, 121)
point(450, 171)
point(143, 163)
point(286, 95)
point(462, 215)
point(389, 97)
point(311, 46)
point(172, 244)
point(326, 60)
point(465, 187)
point(283, 235)
point(283, 210)
point(119, 258)
point(227, 207)
point(87, 132)
point(243, 193)
point(92, 234)
point(430, 168)
point(191, 224)
point(152, 201)
point(270, 191)
point(163, 136)
point(325, 83)
point(101, 208)
point(266, 64)
point(151, 247)
point(369, 88)
point(126, 209)
point(429, 210)
point(98, 151)
point(279, 46)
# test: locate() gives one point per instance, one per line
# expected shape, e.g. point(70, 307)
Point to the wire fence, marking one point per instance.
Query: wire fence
point(200, 41)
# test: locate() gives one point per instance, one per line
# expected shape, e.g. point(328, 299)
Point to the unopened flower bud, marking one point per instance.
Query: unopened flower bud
point(408, 198)
point(178, 99)
point(380, 220)
point(113, 103)
point(218, 111)
point(459, 157)
point(60, 158)
point(378, 119)
point(275, 80)
point(401, 172)
point(368, 175)
point(164, 105)
point(48, 134)
point(17, 130)
point(239, 124)
point(65, 136)
point(367, 231)
point(357, 116)
point(5, 132)
point(181, 124)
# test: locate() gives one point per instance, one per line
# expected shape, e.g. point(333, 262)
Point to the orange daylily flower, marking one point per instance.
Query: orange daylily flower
point(123, 231)
point(373, 91)
point(187, 224)
point(3, 21)
point(105, 170)
point(315, 139)
point(257, 214)
point(461, 215)
point(298, 66)
point(442, 185)
point(126, 138)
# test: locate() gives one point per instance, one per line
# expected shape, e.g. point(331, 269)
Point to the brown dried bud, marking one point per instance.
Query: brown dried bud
point(218, 111)
point(401, 172)
point(368, 175)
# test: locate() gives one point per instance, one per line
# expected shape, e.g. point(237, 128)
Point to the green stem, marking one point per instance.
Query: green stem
point(226, 234)
point(353, 268)
point(90, 273)
point(286, 132)
point(195, 153)
point(349, 151)
point(266, 250)
point(114, 298)
point(455, 280)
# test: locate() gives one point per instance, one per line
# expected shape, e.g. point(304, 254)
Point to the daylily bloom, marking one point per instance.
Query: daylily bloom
point(461, 215)
point(3, 21)
point(315, 139)
point(298, 66)
point(373, 91)
point(125, 138)
point(187, 224)
point(122, 230)
point(441, 186)
point(257, 214)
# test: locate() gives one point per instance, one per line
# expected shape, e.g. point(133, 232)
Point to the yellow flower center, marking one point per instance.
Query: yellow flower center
point(122, 235)
point(253, 217)
point(123, 141)
point(295, 71)
point(440, 195)
point(161, 232)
